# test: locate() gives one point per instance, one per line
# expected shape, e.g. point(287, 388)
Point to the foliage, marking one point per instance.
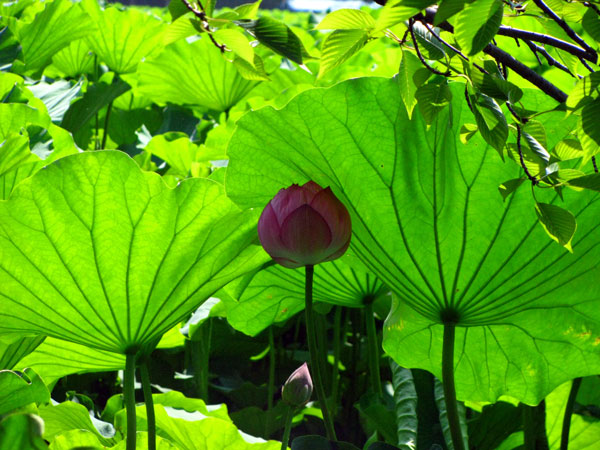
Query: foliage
point(138, 147)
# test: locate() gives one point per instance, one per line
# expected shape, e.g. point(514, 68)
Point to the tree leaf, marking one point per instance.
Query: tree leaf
point(87, 257)
point(446, 9)
point(433, 228)
point(177, 9)
point(193, 74)
point(586, 90)
point(510, 186)
point(396, 11)
point(347, 19)
point(275, 35)
point(559, 223)
point(430, 46)
point(432, 98)
point(408, 88)
point(339, 46)
point(491, 121)
point(237, 42)
point(477, 24)
point(60, 23)
point(588, 182)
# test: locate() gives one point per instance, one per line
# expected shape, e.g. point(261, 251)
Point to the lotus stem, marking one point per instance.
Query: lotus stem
point(373, 347)
point(271, 385)
point(449, 388)
point(566, 427)
point(314, 357)
point(129, 394)
point(147, 389)
point(289, 416)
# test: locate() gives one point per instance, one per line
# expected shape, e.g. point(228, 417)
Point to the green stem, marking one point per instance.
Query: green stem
point(449, 389)
point(147, 389)
point(566, 427)
point(373, 346)
point(337, 324)
point(289, 416)
point(200, 343)
point(106, 119)
point(129, 395)
point(314, 357)
point(271, 385)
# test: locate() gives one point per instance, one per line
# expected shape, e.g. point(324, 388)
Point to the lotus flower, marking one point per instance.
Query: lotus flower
point(304, 225)
point(298, 387)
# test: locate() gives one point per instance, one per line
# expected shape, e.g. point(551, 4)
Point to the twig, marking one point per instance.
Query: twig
point(551, 61)
point(421, 58)
point(586, 65)
point(201, 14)
point(594, 164)
point(592, 6)
point(454, 49)
point(567, 29)
point(533, 179)
point(468, 100)
point(515, 115)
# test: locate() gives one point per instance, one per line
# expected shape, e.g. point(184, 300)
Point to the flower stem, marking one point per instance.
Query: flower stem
point(271, 385)
point(129, 395)
point(289, 416)
point(314, 357)
point(449, 389)
point(149, 406)
point(373, 347)
point(566, 427)
point(337, 325)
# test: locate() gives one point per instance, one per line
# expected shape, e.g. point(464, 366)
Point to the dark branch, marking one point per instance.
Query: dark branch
point(421, 58)
point(201, 15)
point(533, 179)
point(594, 164)
point(567, 29)
point(504, 58)
point(551, 61)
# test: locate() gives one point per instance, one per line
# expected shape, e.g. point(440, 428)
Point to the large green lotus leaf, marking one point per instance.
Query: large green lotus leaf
point(429, 222)
point(275, 294)
point(97, 252)
point(60, 23)
point(585, 429)
point(21, 390)
point(123, 37)
point(13, 347)
point(193, 74)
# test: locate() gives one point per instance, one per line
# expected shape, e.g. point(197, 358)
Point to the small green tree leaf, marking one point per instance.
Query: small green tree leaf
point(586, 90)
point(237, 42)
point(559, 223)
point(490, 121)
point(432, 98)
point(177, 9)
point(510, 186)
point(277, 36)
point(446, 9)
point(339, 46)
point(477, 24)
point(396, 11)
point(591, 23)
point(587, 182)
point(430, 46)
point(347, 19)
point(408, 88)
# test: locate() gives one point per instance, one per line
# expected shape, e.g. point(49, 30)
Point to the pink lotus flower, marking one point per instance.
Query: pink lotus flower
point(304, 225)
point(298, 387)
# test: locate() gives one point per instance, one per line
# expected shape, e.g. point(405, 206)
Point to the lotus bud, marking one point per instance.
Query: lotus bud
point(298, 387)
point(304, 225)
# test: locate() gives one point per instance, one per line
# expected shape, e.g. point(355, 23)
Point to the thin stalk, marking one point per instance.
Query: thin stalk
point(289, 416)
point(373, 346)
point(566, 427)
point(129, 396)
point(200, 358)
point(320, 326)
point(106, 119)
point(314, 357)
point(147, 389)
point(271, 385)
point(337, 323)
point(449, 389)
point(534, 427)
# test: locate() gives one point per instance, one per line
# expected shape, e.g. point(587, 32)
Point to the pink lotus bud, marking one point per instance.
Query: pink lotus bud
point(304, 225)
point(298, 387)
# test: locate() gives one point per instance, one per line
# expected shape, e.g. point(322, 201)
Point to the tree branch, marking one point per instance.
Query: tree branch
point(551, 61)
point(504, 58)
point(200, 14)
point(567, 29)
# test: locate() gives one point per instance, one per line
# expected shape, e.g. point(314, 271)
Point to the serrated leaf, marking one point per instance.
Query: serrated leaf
point(347, 19)
point(446, 9)
point(510, 186)
point(339, 46)
point(396, 11)
point(495, 87)
point(590, 114)
point(409, 64)
point(275, 35)
point(477, 24)
point(432, 98)
point(490, 121)
point(429, 45)
point(587, 182)
point(235, 41)
point(586, 90)
point(591, 23)
point(247, 10)
point(559, 223)
point(177, 9)
point(253, 72)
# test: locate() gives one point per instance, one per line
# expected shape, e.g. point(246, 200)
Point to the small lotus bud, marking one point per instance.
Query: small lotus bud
point(298, 387)
point(304, 225)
